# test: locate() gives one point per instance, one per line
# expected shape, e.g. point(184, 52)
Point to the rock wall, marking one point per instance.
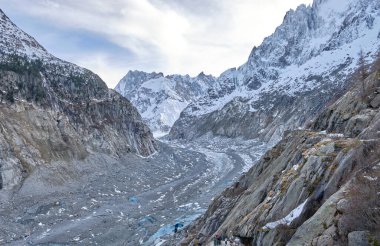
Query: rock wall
point(51, 113)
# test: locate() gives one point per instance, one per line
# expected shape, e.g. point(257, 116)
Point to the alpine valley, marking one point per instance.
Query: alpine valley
point(79, 166)
point(283, 150)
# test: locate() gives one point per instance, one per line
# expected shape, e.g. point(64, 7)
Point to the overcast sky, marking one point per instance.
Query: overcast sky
point(171, 36)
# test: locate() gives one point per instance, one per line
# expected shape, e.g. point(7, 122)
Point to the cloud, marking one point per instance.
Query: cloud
point(188, 36)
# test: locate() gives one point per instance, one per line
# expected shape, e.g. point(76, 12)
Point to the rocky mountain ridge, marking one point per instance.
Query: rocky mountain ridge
point(289, 78)
point(52, 110)
point(160, 99)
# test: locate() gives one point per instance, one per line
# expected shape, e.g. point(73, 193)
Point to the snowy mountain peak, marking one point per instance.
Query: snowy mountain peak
point(160, 99)
point(137, 73)
point(134, 79)
point(308, 31)
point(15, 41)
point(205, 78)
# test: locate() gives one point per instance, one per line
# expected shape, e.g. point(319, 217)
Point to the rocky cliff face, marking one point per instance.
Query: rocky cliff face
point(160, 99)
point(290, 76)
point(52, 110)
point(315, 187)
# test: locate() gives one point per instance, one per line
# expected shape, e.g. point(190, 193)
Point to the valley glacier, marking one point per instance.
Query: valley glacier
point(139, 200)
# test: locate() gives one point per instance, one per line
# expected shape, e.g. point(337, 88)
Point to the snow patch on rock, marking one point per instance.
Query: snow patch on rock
point(287, 220)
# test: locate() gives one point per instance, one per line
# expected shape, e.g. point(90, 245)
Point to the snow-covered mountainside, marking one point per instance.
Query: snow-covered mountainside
point(15, 41)
point(291, 76)
point(160, 99)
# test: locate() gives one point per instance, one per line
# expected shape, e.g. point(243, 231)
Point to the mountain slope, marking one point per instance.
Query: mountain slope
point(160, 99)
point(52, 110)
point(289, 78)
point(314, 187)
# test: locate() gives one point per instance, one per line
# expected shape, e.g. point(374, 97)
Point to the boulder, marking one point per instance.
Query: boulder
point(343, 206)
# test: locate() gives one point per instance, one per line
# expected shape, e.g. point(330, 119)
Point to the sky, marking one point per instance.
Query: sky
point(171, 36)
